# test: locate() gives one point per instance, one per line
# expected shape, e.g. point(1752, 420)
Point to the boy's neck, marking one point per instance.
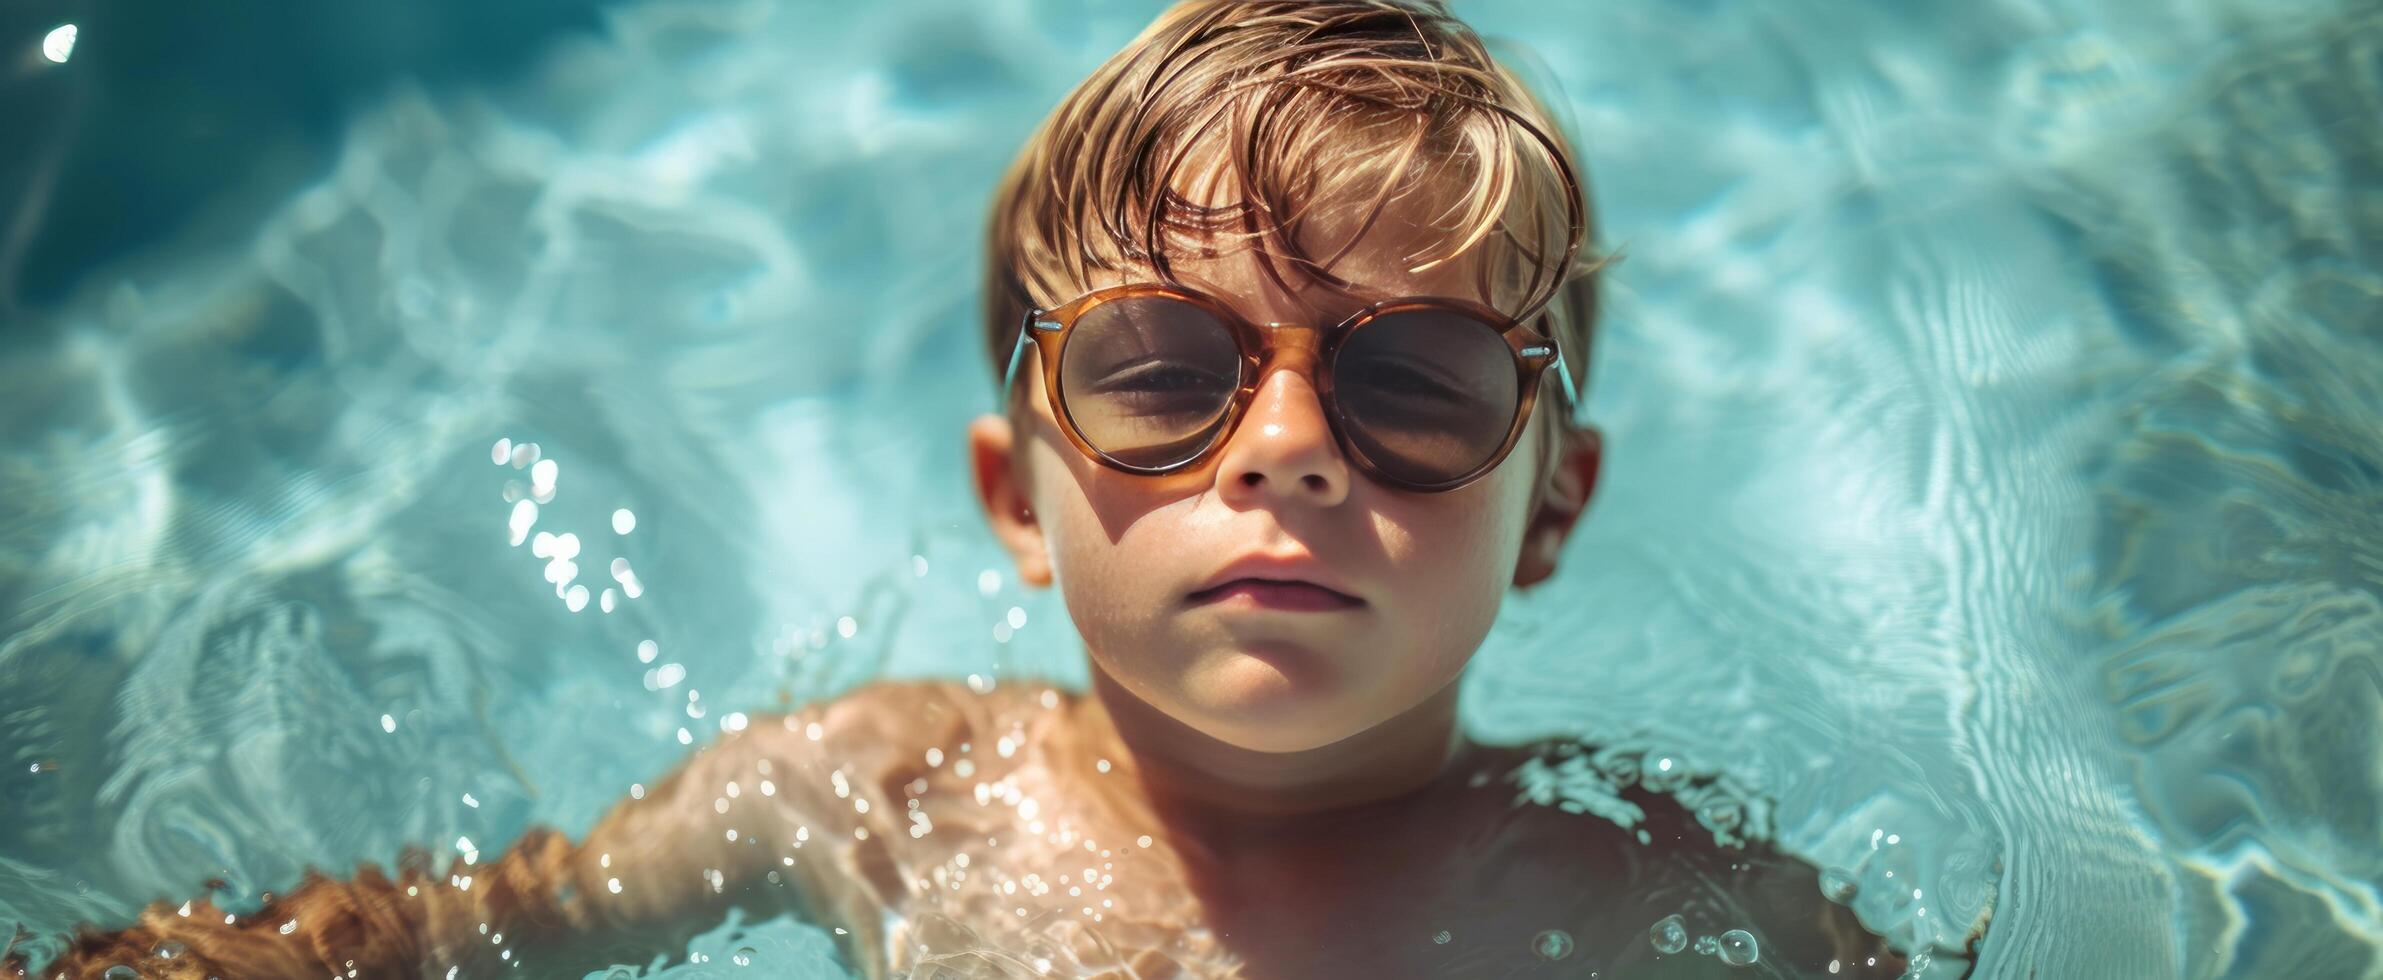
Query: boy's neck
point(1199, 777)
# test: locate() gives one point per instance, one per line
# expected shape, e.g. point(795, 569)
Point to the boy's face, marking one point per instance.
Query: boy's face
point(1428, 569)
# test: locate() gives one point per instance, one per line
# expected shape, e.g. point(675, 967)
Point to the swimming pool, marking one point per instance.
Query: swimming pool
point(1993, 395)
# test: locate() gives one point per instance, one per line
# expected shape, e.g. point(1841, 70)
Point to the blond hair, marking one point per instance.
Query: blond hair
point(1312, 105)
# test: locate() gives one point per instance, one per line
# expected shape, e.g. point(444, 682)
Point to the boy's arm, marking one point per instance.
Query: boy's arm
point(790, 814)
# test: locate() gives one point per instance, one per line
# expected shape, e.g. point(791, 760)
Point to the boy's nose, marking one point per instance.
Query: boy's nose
point(1283, 448)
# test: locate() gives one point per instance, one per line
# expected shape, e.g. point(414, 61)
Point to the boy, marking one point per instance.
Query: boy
point(1288, 302)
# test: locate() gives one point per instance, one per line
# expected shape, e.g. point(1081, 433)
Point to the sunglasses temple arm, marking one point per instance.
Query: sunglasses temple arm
point(1578, 411)
point(1017, 355)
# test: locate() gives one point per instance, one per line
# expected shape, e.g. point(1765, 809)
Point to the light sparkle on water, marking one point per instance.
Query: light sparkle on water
point(58, 45)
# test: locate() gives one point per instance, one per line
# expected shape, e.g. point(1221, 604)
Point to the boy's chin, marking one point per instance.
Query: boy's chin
point(1269, 702)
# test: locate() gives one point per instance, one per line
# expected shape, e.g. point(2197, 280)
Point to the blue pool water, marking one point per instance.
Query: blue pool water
point(1994, 396)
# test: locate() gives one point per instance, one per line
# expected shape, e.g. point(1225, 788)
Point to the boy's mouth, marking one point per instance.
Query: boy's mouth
point(1291, 582)
point(1288, 596)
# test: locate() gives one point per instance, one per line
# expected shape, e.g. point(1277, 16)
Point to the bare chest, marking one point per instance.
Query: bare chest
point(1073, 891)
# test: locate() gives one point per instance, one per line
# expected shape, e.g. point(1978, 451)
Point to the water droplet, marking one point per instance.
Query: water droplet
point(1670, 935)
point(1738, 948)
point(121, 973)
point(623, 521)
point(168, 950)
point(1838, 885)
point(1664, 774)
point(742, 957)
point(502, 452)
point(1721, 815)
point(525, 515)
point(1442, 937)
point(1707, 945)
point(1552, 945)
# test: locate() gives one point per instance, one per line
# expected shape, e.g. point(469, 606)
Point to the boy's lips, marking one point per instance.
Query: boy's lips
point(1258, 593)
point(1276, 581)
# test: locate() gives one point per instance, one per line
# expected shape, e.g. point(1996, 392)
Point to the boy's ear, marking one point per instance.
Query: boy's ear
point(1571, 479)
point(1001, 488)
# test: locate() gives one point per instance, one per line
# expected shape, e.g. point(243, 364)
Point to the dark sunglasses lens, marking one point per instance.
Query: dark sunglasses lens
point(1428, 395)
point(1147, 379)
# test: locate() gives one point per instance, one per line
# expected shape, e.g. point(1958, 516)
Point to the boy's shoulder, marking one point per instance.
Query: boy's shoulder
point(1651, 792)
point(937, 696)
point(915, 714)
point(1693, 845)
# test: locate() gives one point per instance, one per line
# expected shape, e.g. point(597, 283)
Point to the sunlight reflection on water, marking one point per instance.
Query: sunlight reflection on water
point(1993, 482)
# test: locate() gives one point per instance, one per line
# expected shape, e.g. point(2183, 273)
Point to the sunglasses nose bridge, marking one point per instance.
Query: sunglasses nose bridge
point(1294, 346)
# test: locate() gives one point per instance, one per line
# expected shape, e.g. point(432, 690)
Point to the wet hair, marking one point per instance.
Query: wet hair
point(1314, 108)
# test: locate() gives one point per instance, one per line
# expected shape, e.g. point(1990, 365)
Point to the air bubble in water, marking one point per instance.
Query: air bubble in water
point(623, 521)
point(1663, 774)
point(1552, 945)
point(1721, 815)
point(1442, 937)
point(1669, 935)
point(1738, 948)
point(502, 452)
point(1707, 946)
point(742, 957)
point(1837, 885)
point(121, 973)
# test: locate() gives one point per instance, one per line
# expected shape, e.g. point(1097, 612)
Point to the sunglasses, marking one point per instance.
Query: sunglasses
point(1423, 394)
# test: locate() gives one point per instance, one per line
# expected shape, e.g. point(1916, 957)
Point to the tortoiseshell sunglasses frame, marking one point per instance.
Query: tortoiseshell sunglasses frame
point(1261, 346)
